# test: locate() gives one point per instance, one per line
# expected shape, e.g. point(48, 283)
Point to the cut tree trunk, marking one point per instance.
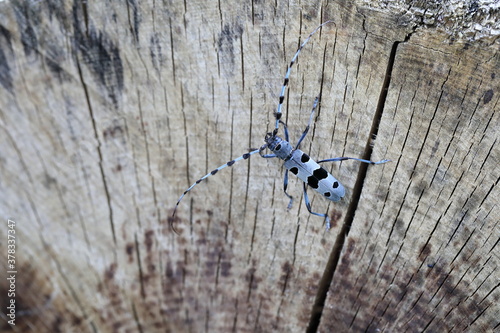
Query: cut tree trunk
point(110, 110)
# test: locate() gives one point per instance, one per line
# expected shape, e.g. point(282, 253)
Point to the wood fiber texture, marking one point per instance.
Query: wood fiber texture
point(110, 110)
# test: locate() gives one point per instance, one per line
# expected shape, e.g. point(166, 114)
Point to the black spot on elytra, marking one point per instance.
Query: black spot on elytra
point(488, 95)
point(320, 173)
point(304, 158)
point(335, 184)
point(312, 181)
point(294, 170)
point(327, 194)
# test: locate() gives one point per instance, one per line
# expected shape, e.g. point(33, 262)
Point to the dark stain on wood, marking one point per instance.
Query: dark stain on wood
point(129, 249)
point(335, 217)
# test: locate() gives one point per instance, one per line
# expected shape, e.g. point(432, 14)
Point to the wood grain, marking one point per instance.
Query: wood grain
point(110, 110)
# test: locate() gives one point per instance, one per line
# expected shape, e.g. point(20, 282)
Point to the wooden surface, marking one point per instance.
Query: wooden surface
point(109, 111)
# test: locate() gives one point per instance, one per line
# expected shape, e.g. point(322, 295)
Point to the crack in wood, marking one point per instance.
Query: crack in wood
point(333, 260)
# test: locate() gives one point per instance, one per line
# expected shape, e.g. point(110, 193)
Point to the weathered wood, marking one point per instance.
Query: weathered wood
point(109, 111)
point(423, 260)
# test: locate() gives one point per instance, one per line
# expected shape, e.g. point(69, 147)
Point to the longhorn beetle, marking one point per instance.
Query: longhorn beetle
point(296, 161)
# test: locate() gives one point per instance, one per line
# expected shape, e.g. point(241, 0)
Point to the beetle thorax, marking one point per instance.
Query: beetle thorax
point(282, 148)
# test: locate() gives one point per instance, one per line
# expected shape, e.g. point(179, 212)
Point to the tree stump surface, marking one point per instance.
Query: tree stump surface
point(109, 111)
